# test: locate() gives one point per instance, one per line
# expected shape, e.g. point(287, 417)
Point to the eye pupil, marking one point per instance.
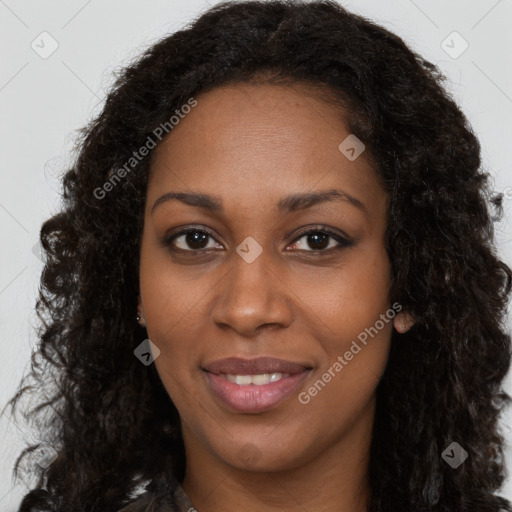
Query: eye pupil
point(315, 238)
point(194, 239)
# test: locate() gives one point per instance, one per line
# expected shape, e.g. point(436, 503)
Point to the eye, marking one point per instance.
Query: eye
point(321, 239)
point(190, 240)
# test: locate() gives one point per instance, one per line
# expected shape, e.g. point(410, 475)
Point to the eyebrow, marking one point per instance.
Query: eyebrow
point(288, 204)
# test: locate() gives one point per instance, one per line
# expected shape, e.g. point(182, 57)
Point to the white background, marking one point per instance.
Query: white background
point(42, 102)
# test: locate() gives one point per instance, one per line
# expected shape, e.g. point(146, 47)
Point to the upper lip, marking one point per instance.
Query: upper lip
point(239, 366)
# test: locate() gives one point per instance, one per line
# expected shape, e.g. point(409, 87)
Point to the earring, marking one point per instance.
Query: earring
point(138, 317)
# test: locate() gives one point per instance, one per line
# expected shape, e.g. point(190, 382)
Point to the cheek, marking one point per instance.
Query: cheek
point(344, 387)
point(174, 310)
point(350, 316)
point(171, 297)
point(351, 297)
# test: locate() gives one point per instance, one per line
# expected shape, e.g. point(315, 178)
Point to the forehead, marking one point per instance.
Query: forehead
point(253, 141)
point(251, 117)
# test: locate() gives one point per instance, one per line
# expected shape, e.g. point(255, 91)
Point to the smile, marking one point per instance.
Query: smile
point(257, 380)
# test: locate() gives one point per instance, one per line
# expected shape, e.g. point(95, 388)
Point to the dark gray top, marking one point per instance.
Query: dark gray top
point(164, 501)
point(182, 500)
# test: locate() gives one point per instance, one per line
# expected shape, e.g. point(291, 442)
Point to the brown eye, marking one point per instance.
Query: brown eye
point(315, 240)
point(322, 240)
point(191, 239)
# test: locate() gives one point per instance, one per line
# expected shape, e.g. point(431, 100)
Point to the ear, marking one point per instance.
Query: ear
point(140, 313)
point(403, 322)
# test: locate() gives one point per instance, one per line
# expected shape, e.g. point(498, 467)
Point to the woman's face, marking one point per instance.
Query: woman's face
point(257, 166)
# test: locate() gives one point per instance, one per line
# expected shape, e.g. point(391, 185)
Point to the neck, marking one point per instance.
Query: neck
point(334, 480)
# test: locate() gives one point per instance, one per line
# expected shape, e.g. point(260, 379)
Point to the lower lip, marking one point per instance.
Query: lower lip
point(252, 398)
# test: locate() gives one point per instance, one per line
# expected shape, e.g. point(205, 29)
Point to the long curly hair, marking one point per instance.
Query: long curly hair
point(111, 423)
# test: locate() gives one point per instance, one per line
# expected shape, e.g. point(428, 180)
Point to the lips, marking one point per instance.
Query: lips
point(287, 377)
point(260, 365)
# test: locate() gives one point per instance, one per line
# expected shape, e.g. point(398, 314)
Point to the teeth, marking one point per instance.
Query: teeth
point(258, 380)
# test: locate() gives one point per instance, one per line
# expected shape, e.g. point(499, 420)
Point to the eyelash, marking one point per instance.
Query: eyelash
point(343, 242)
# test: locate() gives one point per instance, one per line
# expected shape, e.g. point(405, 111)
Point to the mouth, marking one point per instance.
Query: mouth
point(258, 380)
point(254, 385)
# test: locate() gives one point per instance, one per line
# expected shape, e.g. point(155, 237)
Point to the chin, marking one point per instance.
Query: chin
point(262, 456)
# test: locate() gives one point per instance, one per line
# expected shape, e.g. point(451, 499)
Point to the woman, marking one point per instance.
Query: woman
point(273, 273)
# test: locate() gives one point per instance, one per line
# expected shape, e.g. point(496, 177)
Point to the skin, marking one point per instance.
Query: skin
point(251, 145)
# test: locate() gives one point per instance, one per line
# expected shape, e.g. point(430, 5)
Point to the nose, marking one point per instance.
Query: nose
point(251, 296)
